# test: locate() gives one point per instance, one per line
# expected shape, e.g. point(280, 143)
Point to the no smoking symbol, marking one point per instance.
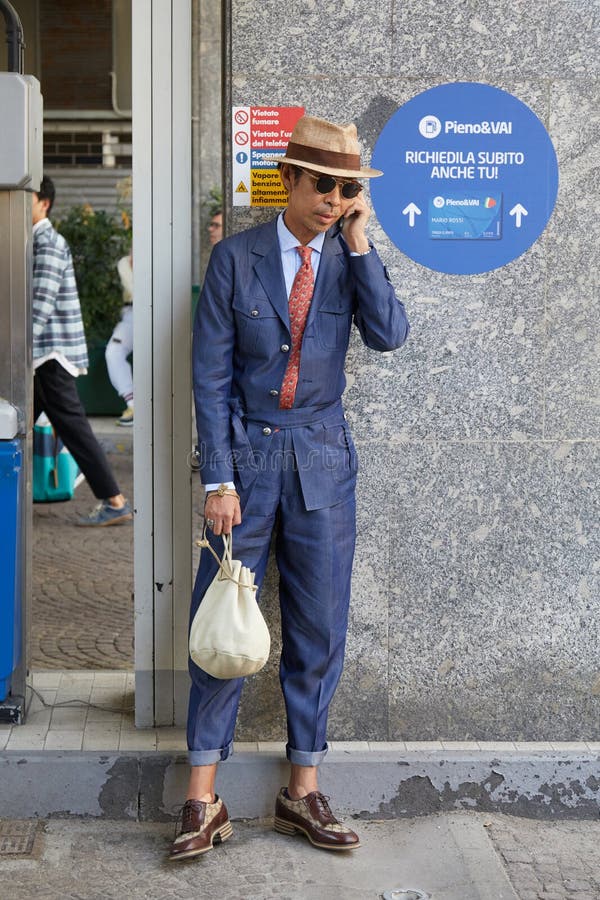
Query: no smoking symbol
point(241, 117)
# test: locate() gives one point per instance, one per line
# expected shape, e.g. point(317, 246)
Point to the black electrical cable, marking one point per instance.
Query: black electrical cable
point(74, 704)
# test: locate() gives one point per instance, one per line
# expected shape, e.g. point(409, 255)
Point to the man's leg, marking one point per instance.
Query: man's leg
point(314, 554)
point(213, 703)
point(117, 350)
point(55, 393)
point(315, 551)
point(202, 783)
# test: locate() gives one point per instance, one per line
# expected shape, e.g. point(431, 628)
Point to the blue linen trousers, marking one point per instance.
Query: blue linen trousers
point(314, 553)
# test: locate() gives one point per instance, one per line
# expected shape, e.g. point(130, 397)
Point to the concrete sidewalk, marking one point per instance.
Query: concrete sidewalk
point(452, 856)
point(449, 857)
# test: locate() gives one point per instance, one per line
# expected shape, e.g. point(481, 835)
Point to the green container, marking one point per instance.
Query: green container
point(97, 394)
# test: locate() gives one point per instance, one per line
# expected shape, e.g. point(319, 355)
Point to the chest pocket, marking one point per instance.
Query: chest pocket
point(257, 324)
point(332, 324)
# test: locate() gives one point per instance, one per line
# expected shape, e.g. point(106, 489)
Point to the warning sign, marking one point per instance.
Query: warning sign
point(260, 134)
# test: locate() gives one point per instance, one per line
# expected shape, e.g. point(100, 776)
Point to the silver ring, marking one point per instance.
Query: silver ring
point(210, 523)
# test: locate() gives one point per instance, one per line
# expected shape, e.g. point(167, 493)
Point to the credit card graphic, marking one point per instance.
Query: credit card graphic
point(470, 215)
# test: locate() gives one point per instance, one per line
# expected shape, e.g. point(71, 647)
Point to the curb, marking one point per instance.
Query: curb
point(149, 786)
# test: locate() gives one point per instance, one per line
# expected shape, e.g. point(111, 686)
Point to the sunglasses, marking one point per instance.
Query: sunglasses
point(325, 184)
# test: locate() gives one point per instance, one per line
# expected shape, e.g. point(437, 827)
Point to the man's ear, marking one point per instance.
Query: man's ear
point(285, 175)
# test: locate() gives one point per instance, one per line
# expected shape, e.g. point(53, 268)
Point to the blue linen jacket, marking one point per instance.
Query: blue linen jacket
point(240, 352)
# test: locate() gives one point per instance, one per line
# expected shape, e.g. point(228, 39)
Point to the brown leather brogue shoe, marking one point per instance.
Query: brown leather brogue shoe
point(312, 816)
point(202, 826)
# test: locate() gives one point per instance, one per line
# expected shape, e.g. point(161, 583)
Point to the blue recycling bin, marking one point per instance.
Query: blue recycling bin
point(11, 469)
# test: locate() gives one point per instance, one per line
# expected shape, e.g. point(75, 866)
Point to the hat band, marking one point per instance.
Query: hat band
point(317, 156)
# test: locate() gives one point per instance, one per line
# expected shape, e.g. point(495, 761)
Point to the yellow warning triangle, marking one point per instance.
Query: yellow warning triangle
point(241, 188)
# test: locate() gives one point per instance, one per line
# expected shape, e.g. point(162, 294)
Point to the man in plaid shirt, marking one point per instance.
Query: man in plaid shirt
point(60, 355)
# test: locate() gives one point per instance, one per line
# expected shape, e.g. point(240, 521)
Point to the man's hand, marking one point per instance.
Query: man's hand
point(356, 217)
point(224, 511)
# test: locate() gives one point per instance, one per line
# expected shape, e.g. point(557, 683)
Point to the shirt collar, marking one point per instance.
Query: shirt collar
point(287, 241)
point(41, 225)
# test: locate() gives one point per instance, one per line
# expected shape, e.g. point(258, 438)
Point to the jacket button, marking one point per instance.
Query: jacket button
point(266, 431)
point(284, 348)
point(254, 312)
point(274, 393)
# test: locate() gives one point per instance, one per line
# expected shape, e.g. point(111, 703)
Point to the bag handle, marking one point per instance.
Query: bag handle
point(227, 558)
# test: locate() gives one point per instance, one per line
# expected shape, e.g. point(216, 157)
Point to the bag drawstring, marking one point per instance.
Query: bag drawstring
point(227, 558)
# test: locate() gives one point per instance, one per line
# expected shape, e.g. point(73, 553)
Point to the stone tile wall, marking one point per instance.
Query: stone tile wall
point(476, 593)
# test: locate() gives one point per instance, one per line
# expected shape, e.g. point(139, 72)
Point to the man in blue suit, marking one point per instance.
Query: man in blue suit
point(270, 341)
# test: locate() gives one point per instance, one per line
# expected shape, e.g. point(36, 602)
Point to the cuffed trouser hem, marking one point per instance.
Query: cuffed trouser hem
point(305, 757)
point(210, 757)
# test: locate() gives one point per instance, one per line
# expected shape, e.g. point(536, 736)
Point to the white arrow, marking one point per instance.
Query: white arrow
point(410, 211)
point(518, 211)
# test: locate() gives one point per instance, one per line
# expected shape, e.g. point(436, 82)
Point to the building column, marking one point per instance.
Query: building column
point(162, 191)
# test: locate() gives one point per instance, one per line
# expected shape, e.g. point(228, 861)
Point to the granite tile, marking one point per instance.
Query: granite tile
point(572, 370)
point(572, 366)
point(476, 41)
point(312, 44)
point(574, 38)
point(359, 710)
point(493, 633)
point(469, 371)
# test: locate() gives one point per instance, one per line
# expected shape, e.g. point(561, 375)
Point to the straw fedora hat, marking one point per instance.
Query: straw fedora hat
point(324, 147)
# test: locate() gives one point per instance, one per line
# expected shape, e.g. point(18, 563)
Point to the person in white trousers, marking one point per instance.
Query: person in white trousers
point(121, 344)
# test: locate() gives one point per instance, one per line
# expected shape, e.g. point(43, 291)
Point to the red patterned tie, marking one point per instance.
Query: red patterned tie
point(299, 304)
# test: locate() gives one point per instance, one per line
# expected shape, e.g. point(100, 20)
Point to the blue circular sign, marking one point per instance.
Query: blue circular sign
point(241, 157)
point(470, 178)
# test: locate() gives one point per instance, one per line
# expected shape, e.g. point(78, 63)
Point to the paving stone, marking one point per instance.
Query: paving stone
point(564, 856)
point(82, 584)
